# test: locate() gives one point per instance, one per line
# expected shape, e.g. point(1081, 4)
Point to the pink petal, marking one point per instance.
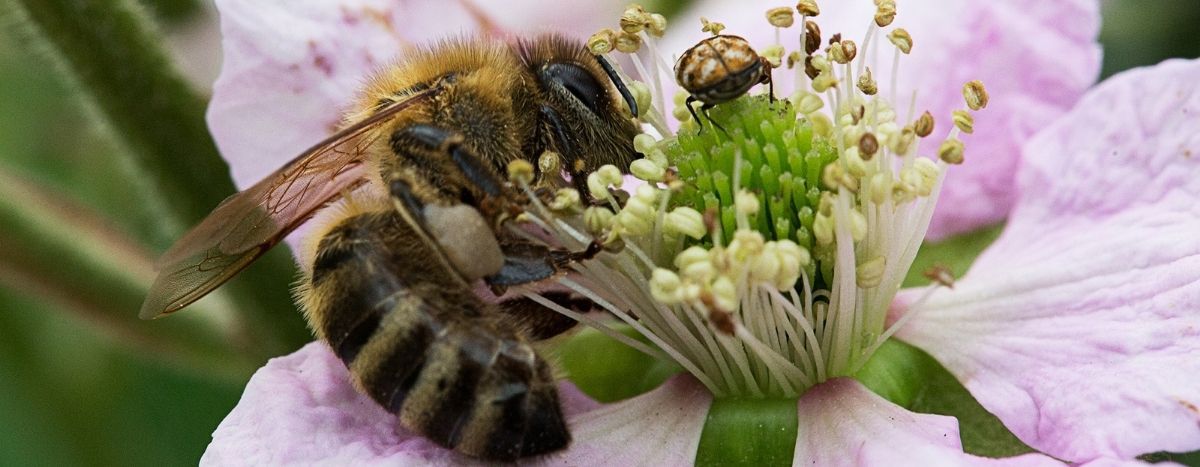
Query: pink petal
point(661, 427)
point(1079, 327)
point(1035, 57)
point(844, 423)
point(291, 66)
point(301, 410)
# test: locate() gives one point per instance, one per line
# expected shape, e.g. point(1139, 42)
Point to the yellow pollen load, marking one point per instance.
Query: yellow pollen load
point(759, 253)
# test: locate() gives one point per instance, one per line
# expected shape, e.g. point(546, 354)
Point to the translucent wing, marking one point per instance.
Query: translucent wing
point(249, 223)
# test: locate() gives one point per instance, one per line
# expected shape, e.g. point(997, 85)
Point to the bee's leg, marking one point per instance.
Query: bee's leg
point(576, 166)
point(428, 145)
point(524, 263)
point(542, 323)
point(423, 346)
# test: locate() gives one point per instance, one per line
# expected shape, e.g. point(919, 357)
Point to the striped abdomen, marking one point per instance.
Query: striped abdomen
point(426, 348)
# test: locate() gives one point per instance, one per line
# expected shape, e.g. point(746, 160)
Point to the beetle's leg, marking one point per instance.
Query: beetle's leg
point(692, 110)
point(766, 79)
point(704, 110)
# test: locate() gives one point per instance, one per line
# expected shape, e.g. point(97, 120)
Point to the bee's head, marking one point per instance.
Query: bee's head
point(585, 109)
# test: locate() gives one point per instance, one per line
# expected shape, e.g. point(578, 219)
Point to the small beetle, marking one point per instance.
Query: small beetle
point(720, 69)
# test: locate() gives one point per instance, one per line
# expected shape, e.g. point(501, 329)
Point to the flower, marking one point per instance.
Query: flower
point(1050, 305)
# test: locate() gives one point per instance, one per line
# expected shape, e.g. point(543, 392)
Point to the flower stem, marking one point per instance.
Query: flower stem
point(65, 256)
point(758, 432)
point(113, 56)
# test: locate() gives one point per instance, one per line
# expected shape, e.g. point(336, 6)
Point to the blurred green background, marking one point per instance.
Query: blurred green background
point(82, 380)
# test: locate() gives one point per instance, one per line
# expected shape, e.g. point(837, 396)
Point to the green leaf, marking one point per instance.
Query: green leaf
point(895, 372)
point(956, 253)
point(607, 370)
point(1187, 458)
point(751, 432)
point(911, 378)
point(114, 59)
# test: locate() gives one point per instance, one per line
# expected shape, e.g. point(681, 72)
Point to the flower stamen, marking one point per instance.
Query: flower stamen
point(813, 211)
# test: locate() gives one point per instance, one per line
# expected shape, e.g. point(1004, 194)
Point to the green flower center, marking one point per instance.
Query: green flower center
point(781, 162)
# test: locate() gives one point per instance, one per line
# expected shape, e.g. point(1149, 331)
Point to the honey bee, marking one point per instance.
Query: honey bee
point(720, 69)
point(390, 288)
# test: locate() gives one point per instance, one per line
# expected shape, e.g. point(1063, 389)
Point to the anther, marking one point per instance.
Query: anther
point(774, 55)
point(746, 203)
point(901, 39)
point(821, 124)
point(634, 19)
point(810, 69)
point(941, 275)
point(868, 145)
point(657, 25)
point(686, 221)
point(824, 81)
point(924, 125)
point(659, 157)
point(549, 162)
point(792, 58)
point(903, 141)
point(599, 181)
point(711, 26)
point(866, 83)
point(975, 94)
point(869, 274)
point(858, 226)
point(647, 170)
point(566, 199)
point(951, 151)
point(520, 171)
point(665, 286)
point(686, 259)
point(885, 13)
point(843, 51)
point(628, 43)
point(806, 102)
point(964, 121)
point(602, 42)
point(597, 219)
point(808, 8)
point(812, 37)
point(644, 143)
point(781, 17)
point(857, 113)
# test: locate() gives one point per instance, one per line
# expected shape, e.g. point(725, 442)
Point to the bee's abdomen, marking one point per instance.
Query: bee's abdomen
point(427, 350)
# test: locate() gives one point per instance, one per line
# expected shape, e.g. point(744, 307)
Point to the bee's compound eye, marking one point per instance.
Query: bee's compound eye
point(578, 81)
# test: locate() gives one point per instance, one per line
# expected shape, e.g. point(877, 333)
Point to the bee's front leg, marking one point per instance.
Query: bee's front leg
point(458, 227)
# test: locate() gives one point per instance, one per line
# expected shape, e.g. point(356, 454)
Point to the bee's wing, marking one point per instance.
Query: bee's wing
point(249, 223)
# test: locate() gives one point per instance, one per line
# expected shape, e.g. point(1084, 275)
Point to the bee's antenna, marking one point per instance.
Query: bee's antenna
point(612, 74)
